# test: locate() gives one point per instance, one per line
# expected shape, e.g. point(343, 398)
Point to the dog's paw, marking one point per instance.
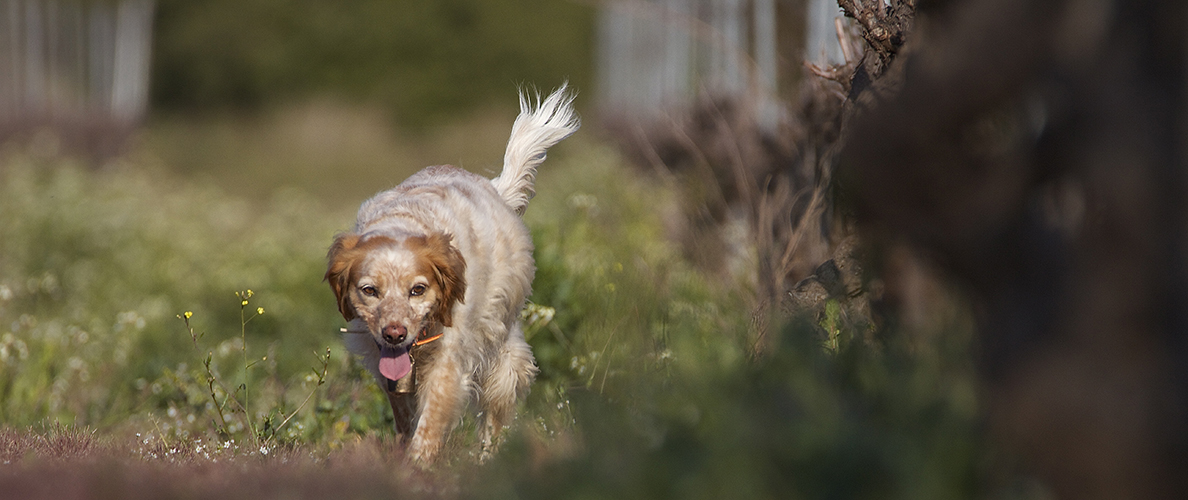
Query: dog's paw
point(422, 451)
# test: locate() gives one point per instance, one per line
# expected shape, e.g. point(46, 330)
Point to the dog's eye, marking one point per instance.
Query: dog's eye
point(417, 290)
point(369, 291)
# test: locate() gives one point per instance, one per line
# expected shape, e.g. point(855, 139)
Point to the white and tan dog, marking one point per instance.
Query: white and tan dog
point(433, 277)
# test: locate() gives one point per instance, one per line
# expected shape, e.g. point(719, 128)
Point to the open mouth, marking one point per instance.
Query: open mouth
point(394, 363)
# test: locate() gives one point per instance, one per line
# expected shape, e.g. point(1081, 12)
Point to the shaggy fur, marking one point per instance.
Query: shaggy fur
point(445, 252)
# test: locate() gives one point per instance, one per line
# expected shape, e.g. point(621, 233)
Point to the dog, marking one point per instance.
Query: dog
point(432, 280)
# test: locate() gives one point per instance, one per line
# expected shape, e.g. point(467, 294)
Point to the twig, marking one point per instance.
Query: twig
point(321, 380)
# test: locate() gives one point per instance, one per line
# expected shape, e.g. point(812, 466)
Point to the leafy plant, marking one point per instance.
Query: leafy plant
point(263, 430)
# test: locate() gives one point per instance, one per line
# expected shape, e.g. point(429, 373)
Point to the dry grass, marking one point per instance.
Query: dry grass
point(61, 462)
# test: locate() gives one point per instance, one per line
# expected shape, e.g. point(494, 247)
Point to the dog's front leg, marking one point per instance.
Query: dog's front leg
point(442, 395)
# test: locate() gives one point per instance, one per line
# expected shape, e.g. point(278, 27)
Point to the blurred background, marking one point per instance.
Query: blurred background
point(340, 101)
point(305, 88)
point(776, 262)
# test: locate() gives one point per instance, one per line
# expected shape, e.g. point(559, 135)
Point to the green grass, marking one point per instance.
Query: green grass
point(648, 387)
point(97, 266)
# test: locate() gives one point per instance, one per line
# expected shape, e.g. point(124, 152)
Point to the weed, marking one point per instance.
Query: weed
point(261, 427)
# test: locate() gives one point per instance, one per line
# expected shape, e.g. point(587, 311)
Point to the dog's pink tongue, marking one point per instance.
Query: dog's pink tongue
point(394, 363)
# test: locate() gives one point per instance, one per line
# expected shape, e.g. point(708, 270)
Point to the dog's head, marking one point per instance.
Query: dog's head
point(397, 286)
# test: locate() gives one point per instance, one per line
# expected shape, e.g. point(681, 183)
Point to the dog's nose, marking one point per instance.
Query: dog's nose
point(394, 333)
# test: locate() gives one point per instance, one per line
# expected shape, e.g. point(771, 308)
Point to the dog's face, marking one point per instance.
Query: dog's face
point(398, 287)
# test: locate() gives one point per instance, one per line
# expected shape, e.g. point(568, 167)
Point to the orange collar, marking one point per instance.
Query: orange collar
point(418, 342)
point(421, 341)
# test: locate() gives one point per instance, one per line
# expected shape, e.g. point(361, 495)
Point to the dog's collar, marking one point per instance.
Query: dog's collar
point(418, 342)
point(406, 385)
point(422, 341)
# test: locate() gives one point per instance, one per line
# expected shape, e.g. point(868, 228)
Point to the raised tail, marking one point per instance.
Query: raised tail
point(536, 130)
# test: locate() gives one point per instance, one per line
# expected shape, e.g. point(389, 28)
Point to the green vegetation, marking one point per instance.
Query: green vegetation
point(420, 60)
point(648, 386)
point(97, 266)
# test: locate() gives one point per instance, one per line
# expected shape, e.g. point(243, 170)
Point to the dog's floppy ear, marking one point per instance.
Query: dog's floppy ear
point(449, 268)
point(339, 261)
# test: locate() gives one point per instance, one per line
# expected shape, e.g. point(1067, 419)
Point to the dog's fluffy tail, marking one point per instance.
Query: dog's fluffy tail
point(536, 130)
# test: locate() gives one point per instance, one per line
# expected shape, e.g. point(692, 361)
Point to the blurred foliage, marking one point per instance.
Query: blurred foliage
point(340, 153)
point(648, 386)
point(664, 398)
point(798, 423)
point(620, 287)
point(422, 60)
point(96, 266)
